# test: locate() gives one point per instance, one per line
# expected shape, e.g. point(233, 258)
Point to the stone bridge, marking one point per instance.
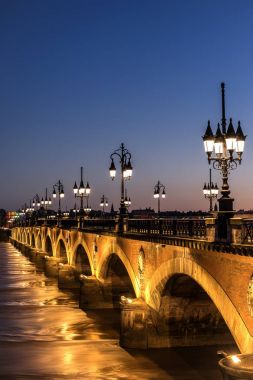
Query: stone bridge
point(172, 289)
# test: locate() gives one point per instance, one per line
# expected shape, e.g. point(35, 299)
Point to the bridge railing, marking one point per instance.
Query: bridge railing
point(247, 232)
point(99, 224)
point(194, 228)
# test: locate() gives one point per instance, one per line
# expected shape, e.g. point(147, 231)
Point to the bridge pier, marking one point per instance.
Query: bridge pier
point(33, 254)
point(51, 266)
point(94, 294)
point(39, 258)
point(67, 277)
point(176, 324)
point(135, 323)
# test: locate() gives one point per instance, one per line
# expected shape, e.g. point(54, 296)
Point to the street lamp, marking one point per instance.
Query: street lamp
point(159, 192)
point(35, 204)
point(87, 209)
point(127, 200)
point(126, 172)
point(60, 190)
point(75, 211)
point(82, 192)
point(220, 149)
point(29, 210)
point(36, 201)
point(210, 190)
point(45, 203)
point(104, 203)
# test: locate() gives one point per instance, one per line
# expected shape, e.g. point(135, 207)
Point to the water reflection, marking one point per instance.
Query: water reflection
point(43, 334)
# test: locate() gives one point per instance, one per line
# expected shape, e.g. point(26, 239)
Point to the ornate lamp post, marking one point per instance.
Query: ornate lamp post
point(45, 203)
point(87, 209)
point(104, 203)
point(127, 201)
point(60, 190)
point(210, 191)
point(36, 203)
point(126, 172)
point(24, 214)
point(221, 149)
point(75, 211)
point(82, 192)
point(159, 192)
point(29, 210)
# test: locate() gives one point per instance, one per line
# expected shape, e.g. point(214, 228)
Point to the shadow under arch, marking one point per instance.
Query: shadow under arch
point(39, 242)
point(48, 246)
point(81, 261)
point(117, 281)
point(61, 251)
point(185, 268)
point(33, 241)
point(23, 237)
point(28, 239)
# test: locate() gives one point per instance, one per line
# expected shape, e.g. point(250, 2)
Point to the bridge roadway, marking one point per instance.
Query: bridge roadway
point(177, 285)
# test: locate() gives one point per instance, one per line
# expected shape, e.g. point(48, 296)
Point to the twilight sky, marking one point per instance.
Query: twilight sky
point(79, 77)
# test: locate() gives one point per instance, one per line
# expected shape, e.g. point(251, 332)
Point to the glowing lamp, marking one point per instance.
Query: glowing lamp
point(230, 137)
point(240, 139)
point(81, 187)
point(208, 139)
point(218, 142)
point(112, 170)
point(88, 189)
point(75, 188)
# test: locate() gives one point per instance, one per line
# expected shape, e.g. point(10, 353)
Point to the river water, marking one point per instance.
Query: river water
point(44, 335)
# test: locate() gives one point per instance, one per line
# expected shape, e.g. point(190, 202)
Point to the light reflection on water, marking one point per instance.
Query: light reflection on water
point(43, 334)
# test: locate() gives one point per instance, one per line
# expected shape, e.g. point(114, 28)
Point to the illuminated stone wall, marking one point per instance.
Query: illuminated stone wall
point(224, 276)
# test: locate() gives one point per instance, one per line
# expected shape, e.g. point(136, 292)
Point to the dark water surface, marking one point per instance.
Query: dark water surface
point(44, 335)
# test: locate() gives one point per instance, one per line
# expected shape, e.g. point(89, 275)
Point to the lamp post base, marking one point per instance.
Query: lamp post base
point(224, 214)
point(226, 204)
point(121, 223)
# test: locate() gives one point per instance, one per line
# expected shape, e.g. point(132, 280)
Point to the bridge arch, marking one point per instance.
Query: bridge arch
point(103, 265)
point(82, 260)
point(61, 251)
point(115, 270)
point(186, 268)
point(48, 246)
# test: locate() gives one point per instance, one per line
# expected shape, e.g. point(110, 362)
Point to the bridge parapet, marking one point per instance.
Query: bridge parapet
point(194, 228)
point(241, 230)
point(99, 224)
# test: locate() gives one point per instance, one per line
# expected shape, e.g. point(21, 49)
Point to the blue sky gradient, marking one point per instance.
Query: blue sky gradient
point(80, 77)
